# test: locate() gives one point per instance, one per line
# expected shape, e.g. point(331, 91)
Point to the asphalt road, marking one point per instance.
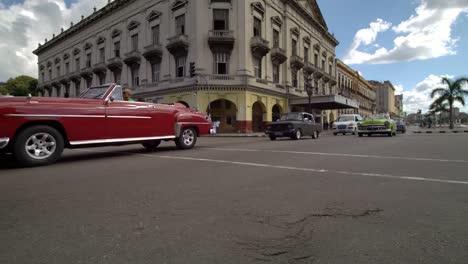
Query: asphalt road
point(338, 199)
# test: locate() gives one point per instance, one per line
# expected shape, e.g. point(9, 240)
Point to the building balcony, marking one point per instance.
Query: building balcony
point(318, 73)
point(278, 55)
point(55, 82)
point(75, 77)
point(153, 52)
point(100, 68)
point(260, 47)
point(132, 58)
point(333, 81)
point(296, 62)
point(221, 39)
point(114, 63)
point(87, 73)
point(308, 68)
point(178, 45)
point(65, 79)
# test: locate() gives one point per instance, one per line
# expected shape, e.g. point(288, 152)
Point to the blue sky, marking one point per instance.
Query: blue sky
point(412, 43)
point(346, 17)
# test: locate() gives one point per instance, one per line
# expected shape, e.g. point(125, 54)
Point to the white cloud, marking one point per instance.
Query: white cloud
point(24, 25)
point(426, 34)
point(398, 89)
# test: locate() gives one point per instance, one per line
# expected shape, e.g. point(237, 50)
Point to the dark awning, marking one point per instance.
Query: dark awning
point(325, 102)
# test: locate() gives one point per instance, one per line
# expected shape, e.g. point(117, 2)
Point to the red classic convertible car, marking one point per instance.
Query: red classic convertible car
point(36, 130)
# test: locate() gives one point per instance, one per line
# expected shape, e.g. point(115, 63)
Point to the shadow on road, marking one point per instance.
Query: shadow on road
point(7, 161)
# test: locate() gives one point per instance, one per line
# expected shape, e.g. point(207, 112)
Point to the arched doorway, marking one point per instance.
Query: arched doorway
point(225, 112)
point(184, 103)
point(257, 117)
point(276, 113)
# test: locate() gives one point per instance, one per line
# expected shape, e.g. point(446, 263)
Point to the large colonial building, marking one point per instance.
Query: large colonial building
point(352, 85)
point(385, 98)
point(243, 61)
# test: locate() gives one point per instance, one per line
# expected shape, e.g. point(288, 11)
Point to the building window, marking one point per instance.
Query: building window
point(50, 74)
point(135, 77)
point(276, 38)
point(155, 34)
point(102, 55)
point(221, 19)
point(294, 47)
point(257, 67)
point(276, 73)
point(58, 71)
point(67, 68)
point(42, 76)
point(180, 25)
point(221, 63)
point(180, 66)
point(316, 59)
point(257, 29)
point(155, 70)
point(102, 79)
point(88, 60)
point(306, 54)
point(117, 49)
point(89, 82)
point(77, 64)
point(135, 42)
point(294, 79)
point(323, 64)
point(330, 69)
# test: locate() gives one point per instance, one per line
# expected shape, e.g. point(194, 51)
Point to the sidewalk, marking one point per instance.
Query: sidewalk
point(259, 134)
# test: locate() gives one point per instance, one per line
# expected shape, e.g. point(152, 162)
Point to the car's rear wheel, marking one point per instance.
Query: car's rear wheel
point(38, 145)
point(297, 135)
point(390, 134)
point(335, 134)
point(151, 145)
point(360, 134)
point(272, 138)
point(315, 135)
point(187, 139)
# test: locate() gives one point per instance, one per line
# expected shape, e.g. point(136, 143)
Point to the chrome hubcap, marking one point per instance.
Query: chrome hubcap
point(298, 134)
point(188, 137)
point(40, 146)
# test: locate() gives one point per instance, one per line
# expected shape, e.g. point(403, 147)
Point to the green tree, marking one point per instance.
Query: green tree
point(21, 85)
point(3, 90)
point(454, 92)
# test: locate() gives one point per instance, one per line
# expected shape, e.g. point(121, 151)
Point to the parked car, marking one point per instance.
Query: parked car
point(36, 130)
point(377, 124)
point(401, 125)
point(346, 124)
point(295, 126)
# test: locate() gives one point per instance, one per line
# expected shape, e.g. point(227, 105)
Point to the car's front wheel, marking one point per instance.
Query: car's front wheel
point(360, 134)
point(272, 138)
point(187, 139)
point(38, 145)
point(151, 145)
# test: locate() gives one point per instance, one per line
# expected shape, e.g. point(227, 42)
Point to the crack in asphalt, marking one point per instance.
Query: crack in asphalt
point(295, 240)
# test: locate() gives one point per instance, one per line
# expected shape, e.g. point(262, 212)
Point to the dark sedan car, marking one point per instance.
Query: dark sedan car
point(295, 126)
point(401, 126)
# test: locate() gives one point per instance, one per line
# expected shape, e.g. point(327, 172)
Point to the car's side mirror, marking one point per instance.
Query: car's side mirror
point(111, 99)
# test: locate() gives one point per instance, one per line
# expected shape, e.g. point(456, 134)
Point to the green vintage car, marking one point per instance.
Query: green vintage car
point(377, 124)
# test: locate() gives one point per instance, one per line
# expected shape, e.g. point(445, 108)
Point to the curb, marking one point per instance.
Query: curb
point(440, 131)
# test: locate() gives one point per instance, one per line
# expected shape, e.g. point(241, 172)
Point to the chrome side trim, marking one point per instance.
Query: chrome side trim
point(4, 142)
point(117, 140)
point(41, 115)
point(130, 117)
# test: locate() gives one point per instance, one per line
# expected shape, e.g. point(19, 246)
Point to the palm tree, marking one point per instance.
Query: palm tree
point(437, 108)
point(451, 94)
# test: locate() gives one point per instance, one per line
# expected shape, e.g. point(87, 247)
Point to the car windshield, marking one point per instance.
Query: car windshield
point(95, 92)
point(291, 116)
point(378, 116)
point(345, 118)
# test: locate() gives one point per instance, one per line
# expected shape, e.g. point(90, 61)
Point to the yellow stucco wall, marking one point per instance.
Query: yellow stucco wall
point(243, 100)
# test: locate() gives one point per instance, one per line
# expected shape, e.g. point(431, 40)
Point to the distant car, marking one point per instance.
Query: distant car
point(346, 124)
point(377, 124)
point(294, 125)
point(401, 125)
point(36, 130)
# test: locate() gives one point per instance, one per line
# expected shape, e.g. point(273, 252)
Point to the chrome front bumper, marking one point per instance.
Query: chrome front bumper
point(4, 142)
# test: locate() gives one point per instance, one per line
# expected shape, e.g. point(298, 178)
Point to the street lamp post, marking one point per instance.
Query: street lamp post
point(309, 89)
